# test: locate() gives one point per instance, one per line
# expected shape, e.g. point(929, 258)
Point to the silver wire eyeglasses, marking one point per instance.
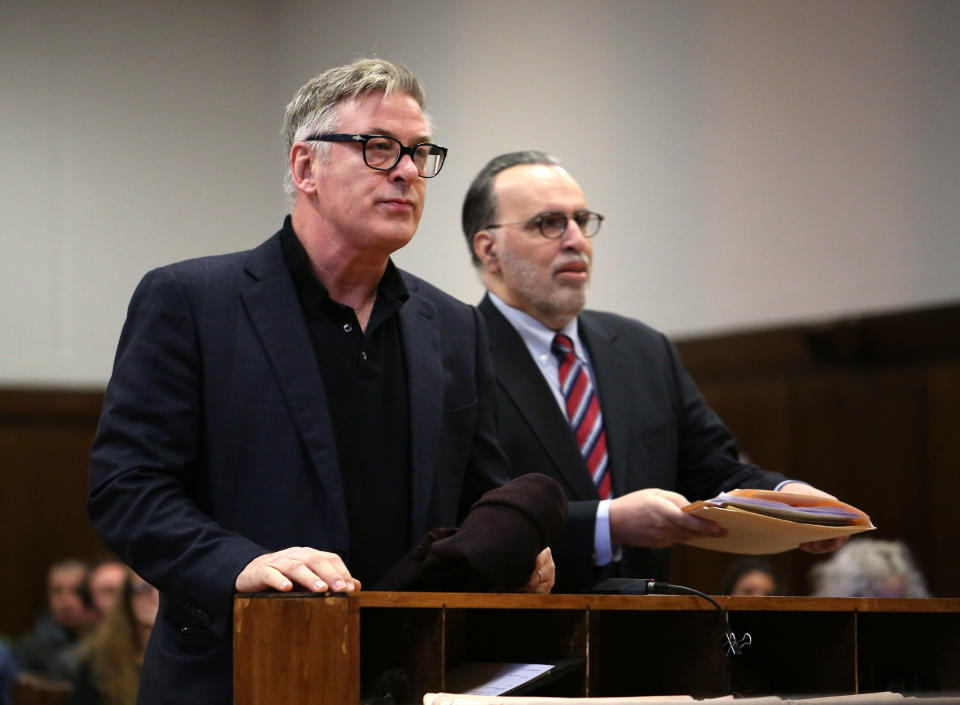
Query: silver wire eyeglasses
point(552, 224)
point(383, 153)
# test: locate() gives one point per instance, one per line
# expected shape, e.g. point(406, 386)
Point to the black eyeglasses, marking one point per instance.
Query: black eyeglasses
point(553, 224)
point(383, 153)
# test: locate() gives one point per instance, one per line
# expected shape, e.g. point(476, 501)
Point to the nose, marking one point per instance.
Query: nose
point(404, 170)
point(573, 237)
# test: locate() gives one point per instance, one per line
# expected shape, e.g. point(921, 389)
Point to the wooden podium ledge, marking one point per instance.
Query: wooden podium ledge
point(342, 648)
point(513, 601)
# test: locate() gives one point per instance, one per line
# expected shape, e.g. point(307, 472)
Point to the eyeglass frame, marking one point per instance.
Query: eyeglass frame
point(538, 221)
point(364, 138)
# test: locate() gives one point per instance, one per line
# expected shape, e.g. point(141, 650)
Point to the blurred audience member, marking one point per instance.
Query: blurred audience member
point(869, 568)
point(105, 581)
point(111, 657)
point(750, 577)
point(49, 649)
point(8, 673)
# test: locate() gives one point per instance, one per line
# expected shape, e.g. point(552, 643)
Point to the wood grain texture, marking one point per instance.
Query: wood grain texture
point(45, 438)
point(287, 652)
point(621, 645)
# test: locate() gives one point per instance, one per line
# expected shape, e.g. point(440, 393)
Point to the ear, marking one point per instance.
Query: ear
point(485, 247)
point(301, 168)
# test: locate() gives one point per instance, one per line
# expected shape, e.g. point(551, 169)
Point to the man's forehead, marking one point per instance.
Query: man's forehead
point(68, 574)
point(108, 571)
point(536, 185)
point(378, 113)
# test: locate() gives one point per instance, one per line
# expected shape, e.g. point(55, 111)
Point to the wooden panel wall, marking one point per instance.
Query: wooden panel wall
point(45, 437)
point(867, 409)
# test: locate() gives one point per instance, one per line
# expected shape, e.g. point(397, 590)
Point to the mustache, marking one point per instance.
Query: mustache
point(573, 258)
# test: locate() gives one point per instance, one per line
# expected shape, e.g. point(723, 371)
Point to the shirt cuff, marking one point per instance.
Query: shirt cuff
point(602, 548)
point(786, 482)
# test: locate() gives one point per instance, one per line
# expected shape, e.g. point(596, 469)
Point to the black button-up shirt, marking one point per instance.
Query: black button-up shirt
point(365, 379)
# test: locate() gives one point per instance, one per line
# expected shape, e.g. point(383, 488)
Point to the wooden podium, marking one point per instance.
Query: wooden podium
point(292, 649)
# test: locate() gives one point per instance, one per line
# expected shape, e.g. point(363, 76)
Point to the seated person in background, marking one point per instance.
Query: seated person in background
point(869, 568)
point(597, 401)
point(8, 673)
point(49, 649)
point(111, 657)
point(750, 577)
point(104, 582)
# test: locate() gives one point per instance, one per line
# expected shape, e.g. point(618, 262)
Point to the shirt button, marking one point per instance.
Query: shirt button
point(347, 327)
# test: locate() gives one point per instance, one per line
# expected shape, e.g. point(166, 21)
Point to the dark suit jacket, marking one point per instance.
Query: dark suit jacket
point(215, 446)
point(660, 433)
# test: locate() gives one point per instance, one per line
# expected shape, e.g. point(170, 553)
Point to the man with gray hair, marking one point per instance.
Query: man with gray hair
point(296, 416)
point(599, 402)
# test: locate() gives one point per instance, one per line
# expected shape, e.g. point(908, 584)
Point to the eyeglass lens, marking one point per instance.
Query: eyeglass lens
point(553, 225)
point(384, 153)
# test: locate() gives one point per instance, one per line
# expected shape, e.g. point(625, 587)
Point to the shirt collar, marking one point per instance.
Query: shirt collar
point(312, 289)
point(536, 336)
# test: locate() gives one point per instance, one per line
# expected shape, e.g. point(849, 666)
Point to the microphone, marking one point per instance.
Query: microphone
point(647, 586)
point(624, 586)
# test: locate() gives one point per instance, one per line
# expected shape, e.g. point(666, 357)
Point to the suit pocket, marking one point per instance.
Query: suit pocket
point(183, 637)
point(461, 408)
point(458, 426)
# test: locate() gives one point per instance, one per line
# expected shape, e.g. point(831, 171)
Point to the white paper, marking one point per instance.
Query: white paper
point(478, 678)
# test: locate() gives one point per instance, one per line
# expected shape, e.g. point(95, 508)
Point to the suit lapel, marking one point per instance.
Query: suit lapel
point(271, 302)
point(522, 383)
point(421, 347)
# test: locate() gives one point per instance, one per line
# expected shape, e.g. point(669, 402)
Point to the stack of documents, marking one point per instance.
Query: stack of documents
point(765, 521)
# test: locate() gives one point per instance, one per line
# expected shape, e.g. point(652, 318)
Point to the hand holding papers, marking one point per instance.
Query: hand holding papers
point(764, 521)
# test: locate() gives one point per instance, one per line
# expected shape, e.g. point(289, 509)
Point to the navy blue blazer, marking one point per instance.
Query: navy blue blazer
point(660, 433)
point(215, 445)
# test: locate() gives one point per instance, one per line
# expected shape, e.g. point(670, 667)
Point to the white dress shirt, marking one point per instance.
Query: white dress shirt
point(539, 339)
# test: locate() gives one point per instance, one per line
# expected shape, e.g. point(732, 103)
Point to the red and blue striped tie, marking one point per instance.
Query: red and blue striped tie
point(583, 411)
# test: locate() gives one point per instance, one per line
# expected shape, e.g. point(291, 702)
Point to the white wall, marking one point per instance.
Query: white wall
point(758, 161)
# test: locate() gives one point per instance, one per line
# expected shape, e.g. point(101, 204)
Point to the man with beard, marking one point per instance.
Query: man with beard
point(597, 401)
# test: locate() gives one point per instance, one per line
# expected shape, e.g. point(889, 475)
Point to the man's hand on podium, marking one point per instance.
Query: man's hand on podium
point(317, 571)
point(544, 575)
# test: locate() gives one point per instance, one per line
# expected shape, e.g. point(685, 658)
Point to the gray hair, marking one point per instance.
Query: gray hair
point(314, 107)
point(479, 205)
point(863, 567)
